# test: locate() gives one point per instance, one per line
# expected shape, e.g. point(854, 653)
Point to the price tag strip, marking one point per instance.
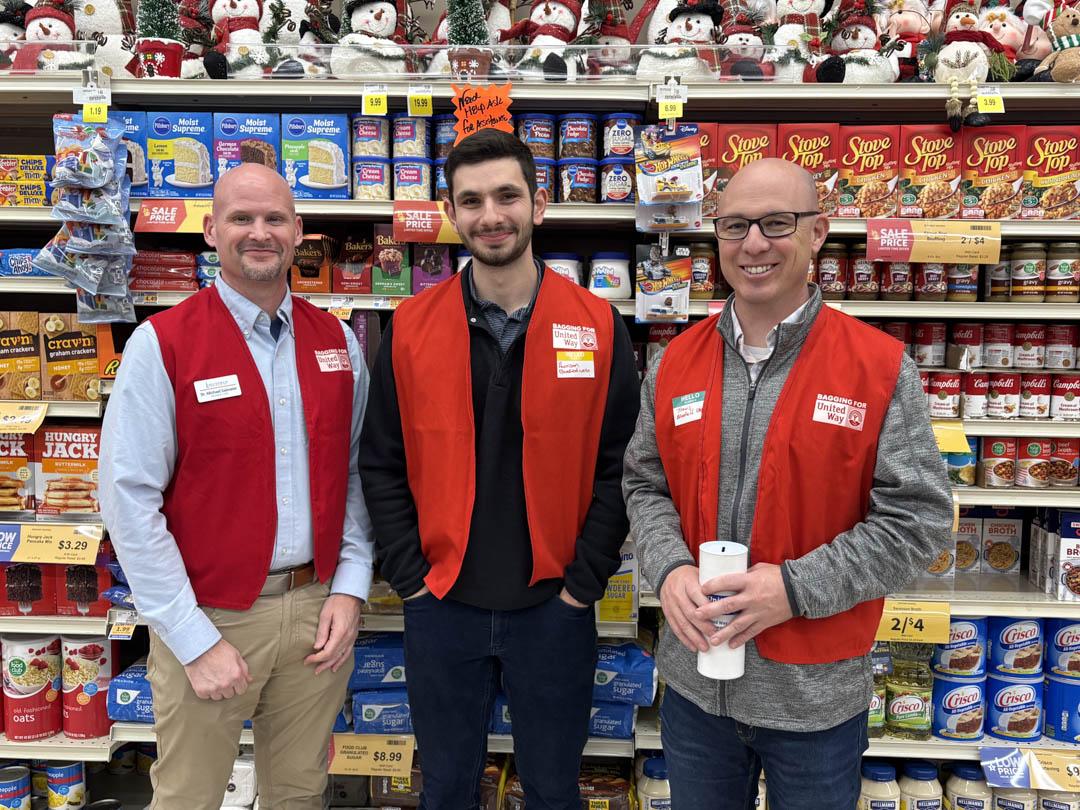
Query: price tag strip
point(989, 100)
point(63, 543)
point(1037, 769)
point(22, 417)
point(123, 624)
point(419, 101)
point(372, 754)
point(341, 313)
point(95, 88)
point(374, 100)
point(906, 620)
point(950, 436)
point(933, 240)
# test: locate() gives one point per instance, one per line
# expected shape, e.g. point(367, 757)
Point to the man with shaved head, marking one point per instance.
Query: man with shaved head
point(230, 489)
point(810, 443)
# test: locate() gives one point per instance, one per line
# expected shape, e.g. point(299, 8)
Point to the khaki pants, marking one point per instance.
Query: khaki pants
point(292, 710)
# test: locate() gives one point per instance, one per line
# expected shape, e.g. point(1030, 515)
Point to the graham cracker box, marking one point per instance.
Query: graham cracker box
point(69, 363)
point(16, 473)
point(178, 147)
point(27, 589)
point(246, 138)
point(739, 145)
point(20, 356)
point(391, 272)
point(135, 140)
point(993, 171)
point(709, 203)
point(1051, 174)
point(311, 264)
point(815, 147)
point(79, 588)
point(869, 167)
point(315, 155)
point(930, 156)
point(352, 270)
point(66, 478)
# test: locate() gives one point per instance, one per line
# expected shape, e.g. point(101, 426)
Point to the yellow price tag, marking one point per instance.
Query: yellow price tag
point(373, 754)
point(905, 620)
point(1054, 770)
point(342, 313)
point(95, 113)
point(22, 417)
point(670, 109)
point(993, 103)
point(950, 436)
point(420, 105)
point(121, 632)
point(57, 543)
point(374, 104)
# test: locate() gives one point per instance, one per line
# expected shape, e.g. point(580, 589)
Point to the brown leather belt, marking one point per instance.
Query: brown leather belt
point(279, 582)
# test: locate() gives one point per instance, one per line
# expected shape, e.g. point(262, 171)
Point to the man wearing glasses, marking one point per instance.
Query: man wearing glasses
point(813, 447)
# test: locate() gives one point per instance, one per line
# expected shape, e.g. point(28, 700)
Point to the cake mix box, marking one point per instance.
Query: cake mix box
point(20, 356)
point(430, 265)
point(17, 463)
point(1051, 174)
point(69, 363)
point(869, 164)
point(738, 145)
point(929, 171)
point(27, 589)
point(993, 171)
point(352, 270)
point(135, 138)
point(815, 147)
point(66, 476)
point(391, 272)
point(315, 155)
point(246, 138)
point(311, 264)
point(178, 148)
point(79, 588)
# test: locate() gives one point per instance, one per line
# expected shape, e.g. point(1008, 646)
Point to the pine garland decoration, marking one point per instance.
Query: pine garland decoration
point(467, 23)
point(158, 19)
point(279, 16)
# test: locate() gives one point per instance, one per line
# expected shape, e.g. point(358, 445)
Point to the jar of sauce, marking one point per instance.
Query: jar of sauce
point(962, 282)
point(879, 789)
point(1027, 271)
point(996, 280)
point(1063, 272)
point(832, 271)
point(897, 282)
point(702, 270)
point(930, 282)
point(864, 276)
point(919, 787)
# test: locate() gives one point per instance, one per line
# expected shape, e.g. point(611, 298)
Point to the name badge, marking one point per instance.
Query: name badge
point(333, 360)
point(571, 365)
point(688, 407)
point(217, 388)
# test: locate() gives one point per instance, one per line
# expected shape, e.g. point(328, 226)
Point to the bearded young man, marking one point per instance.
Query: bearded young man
point(492, 462)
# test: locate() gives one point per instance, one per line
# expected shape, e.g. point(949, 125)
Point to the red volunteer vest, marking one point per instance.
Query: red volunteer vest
point(564, 387)
point(817, 463)
point(221, 505)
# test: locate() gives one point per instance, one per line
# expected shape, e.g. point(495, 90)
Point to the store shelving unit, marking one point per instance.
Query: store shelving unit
point(59, 747)
point(144, 732)
point(395, 623)
point(87, 410)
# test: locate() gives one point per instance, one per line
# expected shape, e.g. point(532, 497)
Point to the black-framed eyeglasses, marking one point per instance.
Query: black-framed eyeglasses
point(772, 226)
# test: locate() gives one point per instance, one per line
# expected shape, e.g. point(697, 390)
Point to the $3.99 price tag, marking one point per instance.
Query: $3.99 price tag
point(904, 620)
point(372, 754)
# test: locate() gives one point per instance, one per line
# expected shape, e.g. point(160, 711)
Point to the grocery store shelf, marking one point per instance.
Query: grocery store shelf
point(1018, 496)
point(395, 623)
point(34, 285)
point(52, 625)
point(144, 732)
point(647, 730)
point(59, 747)
point(1034, 428)
point(27, 215)
point(86, 409)
point(990, 310)
point(595, 747)
point(616, 629)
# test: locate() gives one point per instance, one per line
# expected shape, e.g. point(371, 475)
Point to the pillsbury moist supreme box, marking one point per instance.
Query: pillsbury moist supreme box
point(135, 138)
point(246, 138)
point(178, 149)
point(315, 155)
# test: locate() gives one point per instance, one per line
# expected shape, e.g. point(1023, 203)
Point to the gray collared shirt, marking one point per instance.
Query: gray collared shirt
point(505, 326)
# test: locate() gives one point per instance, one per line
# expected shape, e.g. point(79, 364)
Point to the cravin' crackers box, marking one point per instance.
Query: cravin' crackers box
point(66, 478)
point(868, 170)
point(16, 472)
point(178, 148)
point(69, 363)
point(246, 138)
point(1051, 174)
point(135, 138)
point(315, 155)
point(20, 356)
point(930, 157)
point(815, 147)
point(993, 171)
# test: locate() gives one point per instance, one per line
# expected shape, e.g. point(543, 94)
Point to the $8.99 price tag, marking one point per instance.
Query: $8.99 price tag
point(904, 620)
point(372, 754)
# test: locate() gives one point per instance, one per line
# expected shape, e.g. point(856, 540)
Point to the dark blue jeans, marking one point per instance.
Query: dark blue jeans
point(453, 657)
point(714, 762)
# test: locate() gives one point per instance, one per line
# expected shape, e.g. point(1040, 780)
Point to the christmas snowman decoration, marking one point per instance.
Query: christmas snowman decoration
point(12, 29)
point(108, 23)
point(296, 30)
point(551, 26)
point(238, 44)
point(687, 50)
point(197, 33)
point(964, 58)
point(856, 57)
point(797, 37)
point(742, 48)
point(372, 32)
point(604, 28)
point(50, 28)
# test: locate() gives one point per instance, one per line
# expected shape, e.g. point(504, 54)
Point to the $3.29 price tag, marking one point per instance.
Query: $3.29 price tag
point(924, 622)
point(372, 754)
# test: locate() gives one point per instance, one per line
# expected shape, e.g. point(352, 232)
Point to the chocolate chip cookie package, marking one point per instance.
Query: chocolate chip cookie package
point(1015, 646)
point(965, 652)
point(1014, 707)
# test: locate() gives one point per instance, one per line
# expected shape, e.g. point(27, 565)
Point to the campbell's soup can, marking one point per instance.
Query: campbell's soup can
point(1015, 646)
point(1061, 342)
point(1061, 698)
point(976, 386)
point(902, 331)
point(924, 378)
point(930, 343)
point(1065, 397)
point(945, 394)
point(965, 652)
point(88, 669)
point(1014, 707)
point(1062, 648)
point(1035, 395)
point(1003, 395)
point(963, 467)
point(997, 462)
point(998, 345)
point(1064, 464)
point(958, 707)
point(67, 785)
point(15, 788)
point(1033, 463)
point(32, 704)
point(1029, 345)
point(969, 337)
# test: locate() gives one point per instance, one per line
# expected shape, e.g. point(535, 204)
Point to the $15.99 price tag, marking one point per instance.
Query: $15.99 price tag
point(904, 620)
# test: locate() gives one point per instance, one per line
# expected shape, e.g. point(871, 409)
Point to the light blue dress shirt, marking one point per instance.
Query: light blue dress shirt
point(138, 455)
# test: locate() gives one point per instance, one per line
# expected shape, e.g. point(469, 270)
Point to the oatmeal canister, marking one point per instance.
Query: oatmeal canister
point(1065, 397)
point(1014, 707)
point(930, 343)
point(1064, 466)
point(976, 386)
point(1029, 345)
point(1015, 646)
point(88, 670)
point(32, 704)
point(945, 395)
point(1035, 395)
point(997, 462)
point(969, 337)
point(1061, 346)
point(1003, 397)
point(998, 345)
point(1033, 463)
point(15, 788)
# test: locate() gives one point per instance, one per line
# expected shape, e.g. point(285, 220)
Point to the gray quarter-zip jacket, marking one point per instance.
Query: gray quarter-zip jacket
point(908, 525)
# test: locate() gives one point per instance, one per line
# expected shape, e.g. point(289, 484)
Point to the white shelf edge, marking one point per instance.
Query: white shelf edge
point(59, 747)
point(1018, 496)
point(1040, 428)
point(62, 409)
point(69, 625)
point(595, 747)
point(144, 732)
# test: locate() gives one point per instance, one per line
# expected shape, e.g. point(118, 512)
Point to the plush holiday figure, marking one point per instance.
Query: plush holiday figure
point(604, 28)
point(964, 57)
point(294, 31)
point(12, 29)
point(197, 34)
point(856, 54)
point(1063, 64)
point(371, 31)
point(688, 43)
point(551, 26)
point(1025, 45)
point(159, 51)
point(49, 25)
point(742, 49)
point(907, 24)
point(108, 23)
point(798, 32)
point(238, 44)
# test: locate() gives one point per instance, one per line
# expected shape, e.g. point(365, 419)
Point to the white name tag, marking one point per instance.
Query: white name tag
point(840, 411)
point(333, 359)
point(574, 364)
point(217, 388)
point(688, 407)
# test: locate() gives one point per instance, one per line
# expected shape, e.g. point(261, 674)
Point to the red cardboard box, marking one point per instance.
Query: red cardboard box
point(930, 156)
point(869, 164)
point(27, 589)
point(993, 171)
point(79, 587)
point(815, 147)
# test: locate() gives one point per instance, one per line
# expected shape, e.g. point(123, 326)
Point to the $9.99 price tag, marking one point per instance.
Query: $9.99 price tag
point(904, 620)
point(372, 754)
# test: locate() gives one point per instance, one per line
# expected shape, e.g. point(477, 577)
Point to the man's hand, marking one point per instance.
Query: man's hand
point(219, 673)
point(759, 598)
point(418, 594)
point(680, 597)
point(566, 597)
point(339, 622)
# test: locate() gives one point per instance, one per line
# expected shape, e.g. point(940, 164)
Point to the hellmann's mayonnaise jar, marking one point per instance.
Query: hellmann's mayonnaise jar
point(1058, 800)
point(654, 792)
point(919, 787)
point(879, 788)
point(1015, 799)
point(967, 790)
